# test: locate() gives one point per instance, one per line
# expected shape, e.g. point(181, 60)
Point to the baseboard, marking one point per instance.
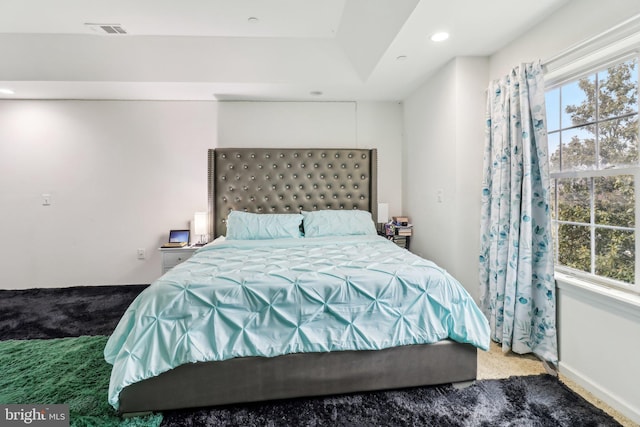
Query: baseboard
point(600, 392)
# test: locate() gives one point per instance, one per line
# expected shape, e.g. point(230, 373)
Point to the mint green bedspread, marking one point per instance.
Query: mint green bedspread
point(274, 297)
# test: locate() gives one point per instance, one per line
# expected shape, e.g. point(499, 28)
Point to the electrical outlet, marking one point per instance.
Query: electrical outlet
point(141, 253)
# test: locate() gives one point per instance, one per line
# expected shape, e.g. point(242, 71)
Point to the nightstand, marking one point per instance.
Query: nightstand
point(174, 256)
point(399, 232)
point(402, 241)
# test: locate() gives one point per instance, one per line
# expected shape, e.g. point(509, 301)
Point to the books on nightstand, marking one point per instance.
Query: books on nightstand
point(400, 241)
point(404, 231)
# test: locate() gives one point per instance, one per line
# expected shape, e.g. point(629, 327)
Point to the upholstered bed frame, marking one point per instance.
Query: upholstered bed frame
point(285, 181)
point(289, 180)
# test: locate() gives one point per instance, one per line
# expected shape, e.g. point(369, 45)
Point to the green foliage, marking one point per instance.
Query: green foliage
point(615, 254)
point(606, 136)
point(574, 247)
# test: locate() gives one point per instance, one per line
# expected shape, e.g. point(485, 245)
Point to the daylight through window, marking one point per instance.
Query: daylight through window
point(592, 126)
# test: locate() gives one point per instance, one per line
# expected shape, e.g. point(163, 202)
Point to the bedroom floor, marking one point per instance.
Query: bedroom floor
point(95, 310)
point(494, 364)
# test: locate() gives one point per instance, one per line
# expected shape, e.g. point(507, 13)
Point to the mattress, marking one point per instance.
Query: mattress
point(274, 297)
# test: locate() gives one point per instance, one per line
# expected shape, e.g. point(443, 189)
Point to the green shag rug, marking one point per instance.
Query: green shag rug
point(67, 371)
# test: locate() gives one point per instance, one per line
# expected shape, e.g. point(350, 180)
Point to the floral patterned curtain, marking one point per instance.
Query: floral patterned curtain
point(517, 287)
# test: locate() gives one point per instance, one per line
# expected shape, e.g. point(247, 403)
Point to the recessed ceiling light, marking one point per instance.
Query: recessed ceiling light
point(253, 20)
point(5, 91)
point(440, 37)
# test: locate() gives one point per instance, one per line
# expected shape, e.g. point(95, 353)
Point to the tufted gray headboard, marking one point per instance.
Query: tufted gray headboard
point(281, 180)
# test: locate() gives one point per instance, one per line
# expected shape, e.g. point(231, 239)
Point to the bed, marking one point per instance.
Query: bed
point(283, 308)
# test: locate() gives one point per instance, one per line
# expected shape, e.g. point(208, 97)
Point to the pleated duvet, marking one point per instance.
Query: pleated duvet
point(274, 297)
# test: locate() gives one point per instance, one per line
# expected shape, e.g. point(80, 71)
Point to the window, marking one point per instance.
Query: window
point(592, 125)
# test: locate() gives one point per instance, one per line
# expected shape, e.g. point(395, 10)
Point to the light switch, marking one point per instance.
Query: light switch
point(46, 199)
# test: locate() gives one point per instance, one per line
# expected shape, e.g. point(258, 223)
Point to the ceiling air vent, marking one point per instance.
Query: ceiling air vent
point(106, 28)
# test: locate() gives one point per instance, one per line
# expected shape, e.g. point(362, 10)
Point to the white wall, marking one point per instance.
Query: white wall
point(322, 124)
point(122, 173)
point(380, 125)
point(444, 137)
point(287, 124)
point(598, 344)
point(429, 165)
point(470, 126)
point(574, 23)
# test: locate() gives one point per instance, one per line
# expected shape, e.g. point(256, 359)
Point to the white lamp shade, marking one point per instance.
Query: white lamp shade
point(383, 213)
point(200, 223)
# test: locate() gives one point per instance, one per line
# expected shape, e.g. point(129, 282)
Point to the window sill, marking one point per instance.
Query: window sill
point(611, 299)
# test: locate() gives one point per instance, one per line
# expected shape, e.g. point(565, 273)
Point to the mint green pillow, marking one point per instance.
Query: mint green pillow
point(338, 223)
point(252, 226)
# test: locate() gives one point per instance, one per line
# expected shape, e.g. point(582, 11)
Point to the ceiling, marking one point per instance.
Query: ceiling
point(246, 49)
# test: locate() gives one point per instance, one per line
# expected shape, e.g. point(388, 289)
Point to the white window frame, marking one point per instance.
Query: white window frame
point(556, 80)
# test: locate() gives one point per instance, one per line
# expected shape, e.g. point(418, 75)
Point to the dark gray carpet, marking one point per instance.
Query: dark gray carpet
point(63, 312)
point(539, 400)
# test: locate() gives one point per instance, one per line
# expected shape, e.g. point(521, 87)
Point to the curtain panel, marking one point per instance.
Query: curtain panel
point(517, 287)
